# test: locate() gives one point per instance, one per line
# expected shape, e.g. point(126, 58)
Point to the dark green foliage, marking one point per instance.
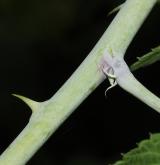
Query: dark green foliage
point(147, 59)
point(147, 153)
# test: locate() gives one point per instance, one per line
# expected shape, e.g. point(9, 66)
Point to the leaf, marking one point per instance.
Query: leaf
point(147, 153)
point(147, 59)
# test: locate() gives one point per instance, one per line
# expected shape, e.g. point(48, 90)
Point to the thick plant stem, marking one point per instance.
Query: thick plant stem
point(49, 115)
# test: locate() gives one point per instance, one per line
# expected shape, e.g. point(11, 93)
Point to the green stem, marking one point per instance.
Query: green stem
point(129, 83)
point(49, 115)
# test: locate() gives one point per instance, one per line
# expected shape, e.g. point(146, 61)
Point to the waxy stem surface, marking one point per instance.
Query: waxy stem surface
point(49, 115)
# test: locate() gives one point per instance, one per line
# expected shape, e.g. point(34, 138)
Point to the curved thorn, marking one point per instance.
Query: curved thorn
point(32, 104)
point(115, 9)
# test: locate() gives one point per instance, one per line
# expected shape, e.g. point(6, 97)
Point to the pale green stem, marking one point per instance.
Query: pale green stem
point(49, 115)
point(125, 79)
point(130, 84)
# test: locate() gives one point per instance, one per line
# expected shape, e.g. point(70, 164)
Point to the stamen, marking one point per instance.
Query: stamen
point(109, 73)
point(112, 86)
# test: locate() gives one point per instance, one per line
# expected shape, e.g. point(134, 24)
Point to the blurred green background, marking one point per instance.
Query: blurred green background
point(41, 44)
